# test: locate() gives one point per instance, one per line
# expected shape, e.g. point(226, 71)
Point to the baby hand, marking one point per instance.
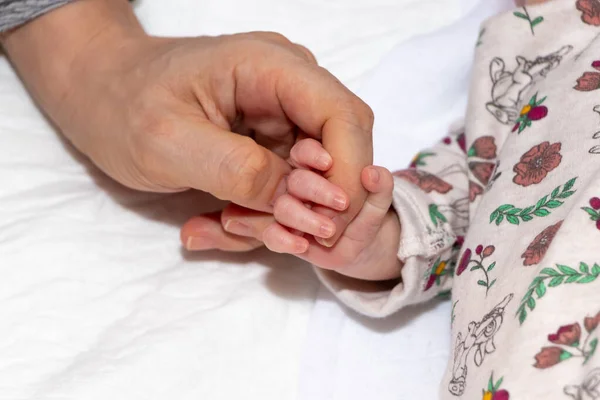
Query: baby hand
point(368, 247)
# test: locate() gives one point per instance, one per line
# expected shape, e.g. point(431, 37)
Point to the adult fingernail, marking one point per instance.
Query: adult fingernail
point(339, 203)
point(324, 161)
point(237, 228)
point(280, 191)
point(374, 175)
point(196, 243)
point(324, 242)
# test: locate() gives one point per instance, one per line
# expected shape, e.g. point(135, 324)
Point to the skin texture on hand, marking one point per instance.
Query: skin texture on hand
point(217, 114)
point(366, 250)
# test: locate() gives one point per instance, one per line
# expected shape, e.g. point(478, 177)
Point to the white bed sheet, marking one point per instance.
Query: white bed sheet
point(97, 300)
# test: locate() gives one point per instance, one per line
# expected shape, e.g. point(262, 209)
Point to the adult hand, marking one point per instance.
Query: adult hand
point(165, 114)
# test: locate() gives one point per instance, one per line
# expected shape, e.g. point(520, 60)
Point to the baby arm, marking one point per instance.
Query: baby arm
point(417, 240)
point(368, 247)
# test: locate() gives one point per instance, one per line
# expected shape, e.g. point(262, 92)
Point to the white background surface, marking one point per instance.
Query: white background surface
point(97, 300)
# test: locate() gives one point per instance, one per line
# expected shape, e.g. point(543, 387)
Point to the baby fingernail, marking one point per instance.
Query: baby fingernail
point(326, 231)
point(339, 202)
point(374, 175)
point(198, 243)
point(237, 228)
point(301, 246)
point(324, 161)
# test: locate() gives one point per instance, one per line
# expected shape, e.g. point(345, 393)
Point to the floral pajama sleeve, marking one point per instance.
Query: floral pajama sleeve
point(505, 212)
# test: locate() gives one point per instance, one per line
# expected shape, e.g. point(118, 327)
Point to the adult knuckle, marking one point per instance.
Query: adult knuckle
point(356, 113)
point(275, 36)
point(364, 113)
point(246, 165)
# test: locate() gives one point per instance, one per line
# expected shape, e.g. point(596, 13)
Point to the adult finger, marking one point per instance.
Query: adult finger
point(206, 232)
point(197, 154)
point(262, 226)
point(324, 109)
point(280, 39)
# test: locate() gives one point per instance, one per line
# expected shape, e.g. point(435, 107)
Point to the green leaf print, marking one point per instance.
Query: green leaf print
point(479, 39)
point(569, 184)
point(562, 274)
point(525, 15)
point(436, 216)
point(515, 215)
point(520, 15)
point(591, 351)
point(419, 160)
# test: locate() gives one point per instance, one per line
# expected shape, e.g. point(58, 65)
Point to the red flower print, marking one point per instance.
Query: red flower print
point(532, 111)
point(430, 282)
point(537, 249)
point(590, 11)
point(550, 356)
point(588, 81)
point(474, 191)
point(482, 170)
point(460, 240)
point(537, 163)
point(591, 323)
point(438, 270)
point(462, 142)
point(488, 251)
point(464, 262)
point(568, 335)
point(494, 392)
point(485, 252)
point(537, 113)
point(501, 395)
point(594, 211)
point(426, 181)
point(484, 147)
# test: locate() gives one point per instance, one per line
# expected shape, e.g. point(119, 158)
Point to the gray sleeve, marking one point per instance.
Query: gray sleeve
point(16, 12)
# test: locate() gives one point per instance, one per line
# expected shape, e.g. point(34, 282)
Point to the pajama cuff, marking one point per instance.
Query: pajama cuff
point(421, 243)
point(17, 12)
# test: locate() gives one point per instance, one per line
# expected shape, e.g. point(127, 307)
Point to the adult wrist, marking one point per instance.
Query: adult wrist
point(54, 52)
